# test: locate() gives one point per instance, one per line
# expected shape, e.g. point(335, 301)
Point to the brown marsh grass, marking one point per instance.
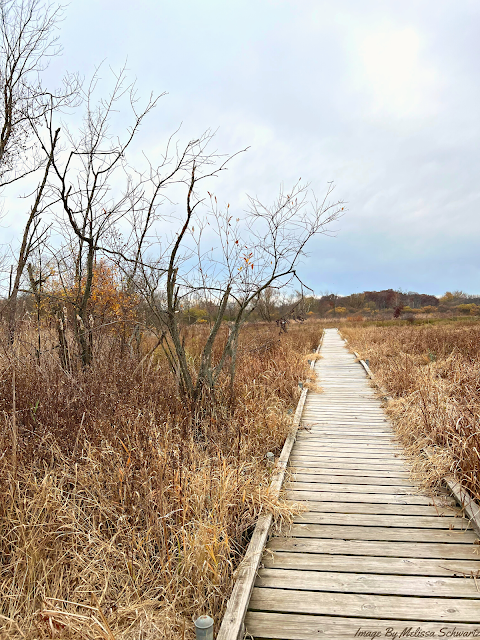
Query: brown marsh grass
point(433, 374)
point(119, 520)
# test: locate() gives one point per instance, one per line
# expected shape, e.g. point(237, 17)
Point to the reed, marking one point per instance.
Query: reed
point(121, 517)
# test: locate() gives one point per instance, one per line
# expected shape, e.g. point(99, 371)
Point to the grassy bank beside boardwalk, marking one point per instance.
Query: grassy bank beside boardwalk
point(122, 515)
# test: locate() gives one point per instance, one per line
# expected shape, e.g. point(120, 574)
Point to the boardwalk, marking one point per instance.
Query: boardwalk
point(372, 556)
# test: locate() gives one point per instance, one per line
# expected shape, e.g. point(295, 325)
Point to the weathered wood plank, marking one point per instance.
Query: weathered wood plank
point(338, 448)
point(465, 499)
point(373, 474)
point(359, 480)
point(350, 467)
point(347, 452)
point(366, 411)
point(336, 430)
point(371, 564)
point(394, 534)
point(378, 508)
point(344, 487)
point(339, 442)
point(367, 583)
point(319, 417)
point(340, 439)
point(283, 626)
point(321, 402)
point(333, 432)
point(377, 548)
point(326, 401)
point(367, 606)
point(320, 439)
point(358, 414)
point(373, 498)
point(357, 457)
point(300, 485)
point(373, 520)
point(340, 459)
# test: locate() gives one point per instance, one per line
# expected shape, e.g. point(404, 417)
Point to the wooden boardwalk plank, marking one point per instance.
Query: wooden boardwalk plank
point(378, 508)
point(281, 626)
point(366, 443)
point(367, 606)
point(344, 450)
point(367, 583)
point(300, 485)
point(339, 472)
point(373, 520)
point(337, 496)
point(376, 548)
point(351, 466)
point(330, 479)
point(339, 442)
point(386, 463)
point(394, 534)
point(372, 564)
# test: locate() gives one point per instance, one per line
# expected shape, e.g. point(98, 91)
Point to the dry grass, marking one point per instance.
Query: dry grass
point(118, 519)
point(433, 374)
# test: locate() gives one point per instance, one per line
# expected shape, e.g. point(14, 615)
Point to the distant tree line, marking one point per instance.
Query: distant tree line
point(387, 302)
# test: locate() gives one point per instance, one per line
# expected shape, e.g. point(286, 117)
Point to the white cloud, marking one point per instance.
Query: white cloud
point(380, 96)
point(390, 68)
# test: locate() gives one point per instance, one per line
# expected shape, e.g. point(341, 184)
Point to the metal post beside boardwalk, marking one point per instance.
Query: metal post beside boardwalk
point(204, 628)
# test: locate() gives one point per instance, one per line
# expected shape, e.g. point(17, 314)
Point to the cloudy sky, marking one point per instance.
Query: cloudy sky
point(379, 96)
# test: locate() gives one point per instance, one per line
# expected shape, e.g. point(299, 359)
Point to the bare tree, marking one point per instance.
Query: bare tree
point(86, 173)
point(251, 254)
point(32, 239)
point(28, 41)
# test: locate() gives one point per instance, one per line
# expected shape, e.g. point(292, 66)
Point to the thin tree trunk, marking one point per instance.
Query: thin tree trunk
point(27, 246)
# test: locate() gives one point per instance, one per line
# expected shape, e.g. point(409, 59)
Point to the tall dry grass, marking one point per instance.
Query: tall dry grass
point(433, 374)
point(118, 518)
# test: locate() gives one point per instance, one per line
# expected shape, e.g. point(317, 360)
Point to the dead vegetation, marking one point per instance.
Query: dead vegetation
point(433, 374)
point(120, 517)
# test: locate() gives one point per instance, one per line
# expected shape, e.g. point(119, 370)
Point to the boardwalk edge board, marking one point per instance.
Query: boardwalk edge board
point(460, 493)
point(232, 627)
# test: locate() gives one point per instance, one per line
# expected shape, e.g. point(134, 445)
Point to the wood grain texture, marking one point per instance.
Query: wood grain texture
point(378, 508)
point(283, 626)
point(276, 578)
point(371, 564)
point(306, 476)
point(367, 606)
point(397, 490)
point(393, 534)
point(380, 474)
point(435, 550)
point(380, 498)
point(390, 521)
